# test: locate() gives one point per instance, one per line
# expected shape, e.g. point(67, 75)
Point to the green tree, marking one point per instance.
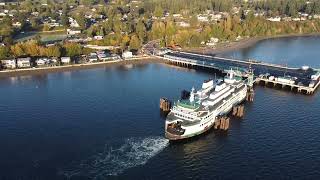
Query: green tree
point(53, 51)
point(134, 43)
point(4, 52)
point(72, 49)
point(141, 31)
point(158, 12)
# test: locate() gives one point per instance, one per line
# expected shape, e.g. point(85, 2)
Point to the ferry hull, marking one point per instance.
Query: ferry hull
point(173, 137)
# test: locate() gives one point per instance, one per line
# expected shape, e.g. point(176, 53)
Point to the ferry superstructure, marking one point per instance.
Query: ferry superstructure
point(197, 114)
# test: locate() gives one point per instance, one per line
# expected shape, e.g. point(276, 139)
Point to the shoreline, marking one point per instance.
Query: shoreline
point(241, 44)
point(225, 48)
point(73, 67)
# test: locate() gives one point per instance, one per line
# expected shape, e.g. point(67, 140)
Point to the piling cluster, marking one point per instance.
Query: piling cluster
point(238, 111)
point(222, 123)
point(250, 95)
point(165, 104)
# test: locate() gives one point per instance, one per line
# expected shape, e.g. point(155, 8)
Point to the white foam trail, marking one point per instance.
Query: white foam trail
point(111, 162)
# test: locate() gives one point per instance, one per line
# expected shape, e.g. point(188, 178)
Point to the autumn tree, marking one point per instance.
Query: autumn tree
point(17, 50)
point(72, 49)
point(135, 43)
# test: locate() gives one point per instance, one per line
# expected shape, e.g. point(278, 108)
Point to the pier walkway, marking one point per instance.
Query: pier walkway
point(302, 76)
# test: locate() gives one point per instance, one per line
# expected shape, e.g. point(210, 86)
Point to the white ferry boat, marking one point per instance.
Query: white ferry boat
point(196, 115)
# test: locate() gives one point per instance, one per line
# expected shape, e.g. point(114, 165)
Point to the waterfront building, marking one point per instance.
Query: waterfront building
point(127, 54)
point(65, 60)
point(9, 63)
point(24, 62)
point(42, 61)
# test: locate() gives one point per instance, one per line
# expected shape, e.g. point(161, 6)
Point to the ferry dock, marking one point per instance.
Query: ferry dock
point(304, 80)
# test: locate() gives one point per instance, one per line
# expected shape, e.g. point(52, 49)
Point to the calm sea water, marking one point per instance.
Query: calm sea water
point(104, 123)
point(291, 51)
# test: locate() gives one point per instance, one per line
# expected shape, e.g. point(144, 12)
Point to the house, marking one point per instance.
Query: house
point(42, 61)
point(212, 42)
point(53, 61)
point(127, 54)
point(183, 24)
point(16, 24)
point(73, 32)
point(73, 23)
point(24, 62)
point(202, 18)
point(92, 57)
point(98, 37)
point(9, 63)
point(65, 60)
point(316, 16)
point(274, 19)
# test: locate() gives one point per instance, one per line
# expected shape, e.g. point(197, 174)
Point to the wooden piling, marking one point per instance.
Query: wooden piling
point(238, 111)
point(217, 123)
point(234, 111)
point(222, 123)
point(165, 104)
point(250, 95)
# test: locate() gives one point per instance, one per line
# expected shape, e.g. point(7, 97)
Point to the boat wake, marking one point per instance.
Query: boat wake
point(112, 162)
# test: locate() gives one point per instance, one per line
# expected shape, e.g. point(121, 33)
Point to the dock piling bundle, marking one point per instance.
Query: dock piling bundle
point(238, 111)
point(222, 123)
point(165, 104)
point(250, 94)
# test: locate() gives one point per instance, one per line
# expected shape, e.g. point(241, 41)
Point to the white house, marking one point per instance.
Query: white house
point(98, 37)
point(73, 32)
point(202, 18)
point(9, 63)
point(212, 42)
point(73, 23)
point(65, 60)
point(274, 19)
point(42, 61)
point(127, 54)
point(24, 62)
point(16, 24)
point(183, 24)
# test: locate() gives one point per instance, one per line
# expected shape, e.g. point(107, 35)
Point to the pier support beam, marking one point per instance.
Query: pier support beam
point(238, 111)
point(222, 123)
point(250, 94)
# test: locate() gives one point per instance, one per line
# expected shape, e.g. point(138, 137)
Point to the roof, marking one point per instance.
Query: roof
point(187, 104)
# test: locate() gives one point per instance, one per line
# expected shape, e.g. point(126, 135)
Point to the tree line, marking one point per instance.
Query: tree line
point(33, 48)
